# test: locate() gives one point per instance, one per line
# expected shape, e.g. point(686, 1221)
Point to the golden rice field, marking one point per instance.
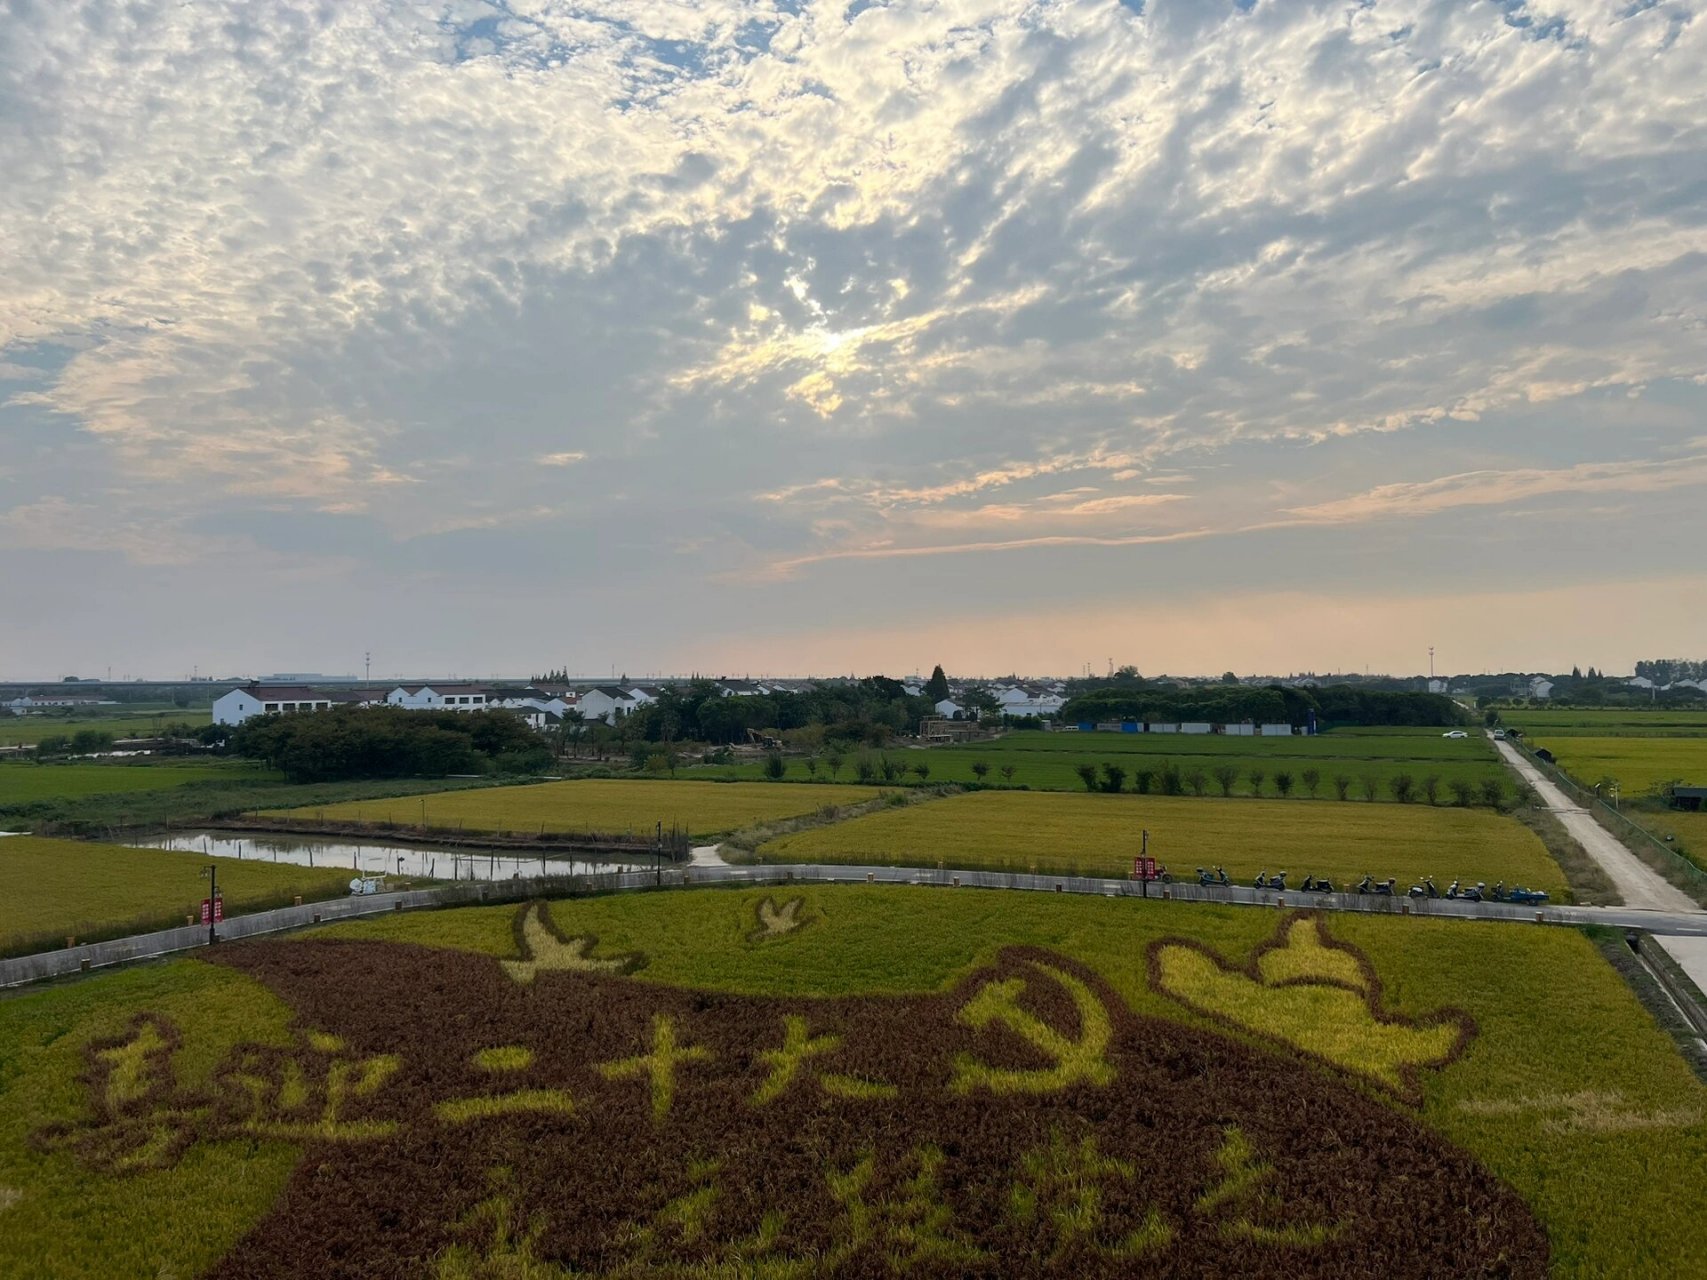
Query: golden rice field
point(1637, 763)
point(55, 888)
point(188, 1117)
point(1100, 834)
point(603, 806)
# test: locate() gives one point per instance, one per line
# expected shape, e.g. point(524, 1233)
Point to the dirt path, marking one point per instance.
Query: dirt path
point(1638, 886)
point(706, 855)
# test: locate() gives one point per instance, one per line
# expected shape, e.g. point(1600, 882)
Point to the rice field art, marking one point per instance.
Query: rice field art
point(713, 1084)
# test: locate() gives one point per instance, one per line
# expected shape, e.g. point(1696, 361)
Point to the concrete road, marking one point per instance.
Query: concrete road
point(1638, 886)
point(1691, 956)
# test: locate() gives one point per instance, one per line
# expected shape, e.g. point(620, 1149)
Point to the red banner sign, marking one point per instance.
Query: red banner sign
point(219, 909)
point(1143, 868)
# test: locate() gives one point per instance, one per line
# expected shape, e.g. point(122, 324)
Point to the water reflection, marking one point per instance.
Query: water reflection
point(386, 858)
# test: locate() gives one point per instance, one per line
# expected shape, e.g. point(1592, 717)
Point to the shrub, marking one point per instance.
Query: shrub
point(892, 769)
point(1008, 774)
point(1256, 776)
point(1197, 780)
point(1312, 781)
point(1226, 775)
point(923, 770)
point(1493, 793)
point(980, 768)
point(1142, 776)
point(835, 760)
point(1462, 792)
point(1283, 783)
point(1342, 785)
point(1370, 786)
point(1431, 788)
point(775, 766)
point(865, 767)
point(1087, 775)
point(1403, 787)
point(1113, 778)
point(1173, 782)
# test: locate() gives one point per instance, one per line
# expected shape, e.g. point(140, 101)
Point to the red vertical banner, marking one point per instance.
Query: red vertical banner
point(219, 909)
point(207, 911)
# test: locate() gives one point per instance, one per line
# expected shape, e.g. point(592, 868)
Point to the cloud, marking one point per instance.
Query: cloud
point(1506, 488)
point(821, 287)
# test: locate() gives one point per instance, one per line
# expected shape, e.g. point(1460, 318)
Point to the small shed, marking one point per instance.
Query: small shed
point(1693, 799)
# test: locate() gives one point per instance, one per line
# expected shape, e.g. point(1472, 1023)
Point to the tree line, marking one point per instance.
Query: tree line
point(1264, 704)
point(391, 742)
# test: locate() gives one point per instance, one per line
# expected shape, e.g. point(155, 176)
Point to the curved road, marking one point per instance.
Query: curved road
point(1636, 884)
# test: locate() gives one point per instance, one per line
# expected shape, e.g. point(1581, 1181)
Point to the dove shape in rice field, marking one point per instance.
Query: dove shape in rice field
point(1317, 995)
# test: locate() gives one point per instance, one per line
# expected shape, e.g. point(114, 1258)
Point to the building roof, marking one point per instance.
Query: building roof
point(282, 693)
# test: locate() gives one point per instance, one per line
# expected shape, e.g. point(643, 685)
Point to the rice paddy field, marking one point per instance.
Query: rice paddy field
point(60, 888)
point(1639, 764)
point(603, 806)
point(1048, 761)
point(1100, 835)
point(29, 730)
point(1625, 722)
point(853, 1081)
point(22, 782)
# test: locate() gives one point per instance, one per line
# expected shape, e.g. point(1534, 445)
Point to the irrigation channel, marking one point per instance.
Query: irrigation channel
point(365, 858)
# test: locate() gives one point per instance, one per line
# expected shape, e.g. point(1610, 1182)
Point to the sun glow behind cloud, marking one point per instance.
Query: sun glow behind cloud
point(757, 293)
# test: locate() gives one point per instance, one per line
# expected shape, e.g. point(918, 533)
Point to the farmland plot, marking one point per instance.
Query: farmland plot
point(21, 783)
point(1637, 763)
point(56, 888)
point(595, 806)
point(1100, 834)
point(1051, 761)
point(879, 1081)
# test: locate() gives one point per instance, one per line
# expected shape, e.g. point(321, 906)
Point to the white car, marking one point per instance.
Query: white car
point(1455, 733)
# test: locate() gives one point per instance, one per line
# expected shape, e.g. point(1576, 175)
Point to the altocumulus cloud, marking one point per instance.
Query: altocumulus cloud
point(792, 290)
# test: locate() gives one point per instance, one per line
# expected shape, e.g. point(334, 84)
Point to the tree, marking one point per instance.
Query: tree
point(1172, 780)
point(1197, 780)
point(1225, 776)
point(922, 769)
point(835, 760)
point(865, 765)
point(775, 766)
point(1462, 792)
point(1493, 793)
point(1370, 786)
point(1256, 776)
point(1142, 776)
point(892, 769)
point(812, 767)
point(1403, 787)
point(1431, 788)
point(1342, 785)
point(936, 688)
point(1283, 782)
point(1087, 775)
point(980, 768)
point(1008, 774)
point(1113, 777)
point(1312, 781)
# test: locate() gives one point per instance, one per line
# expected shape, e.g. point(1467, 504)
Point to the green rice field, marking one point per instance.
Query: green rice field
point(22, 782)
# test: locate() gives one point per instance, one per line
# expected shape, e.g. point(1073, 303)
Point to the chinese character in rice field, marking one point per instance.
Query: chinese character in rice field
point(1024, 1122)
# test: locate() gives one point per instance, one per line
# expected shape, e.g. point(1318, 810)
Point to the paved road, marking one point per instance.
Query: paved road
point(1636, 884)
point(1691, 956)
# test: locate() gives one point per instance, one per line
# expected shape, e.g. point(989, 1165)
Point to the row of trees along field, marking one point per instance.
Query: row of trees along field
point(1274, 704)
point(871, 710)
point(391, 742)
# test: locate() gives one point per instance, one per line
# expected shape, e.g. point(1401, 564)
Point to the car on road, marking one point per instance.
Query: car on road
point(1455, 733)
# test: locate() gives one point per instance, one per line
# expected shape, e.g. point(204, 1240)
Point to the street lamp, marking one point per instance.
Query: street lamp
point(211, 871)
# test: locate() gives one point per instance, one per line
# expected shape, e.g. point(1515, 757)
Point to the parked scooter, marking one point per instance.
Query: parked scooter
point(1425, 890)
point(1277, 881)
point(1215, 877)
point(1497, 893)
point(1475, 894)
point(1452, 890)
point(1385, 887)
point(1314, 884)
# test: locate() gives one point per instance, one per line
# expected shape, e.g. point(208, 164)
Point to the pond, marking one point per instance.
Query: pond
point(387, 857)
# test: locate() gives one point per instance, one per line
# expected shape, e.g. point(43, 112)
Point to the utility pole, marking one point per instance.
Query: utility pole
point(1431, 668)
point(367, 666)
point(212, 873)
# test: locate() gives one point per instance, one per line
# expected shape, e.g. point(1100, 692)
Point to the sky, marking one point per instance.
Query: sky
point(787, 337)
